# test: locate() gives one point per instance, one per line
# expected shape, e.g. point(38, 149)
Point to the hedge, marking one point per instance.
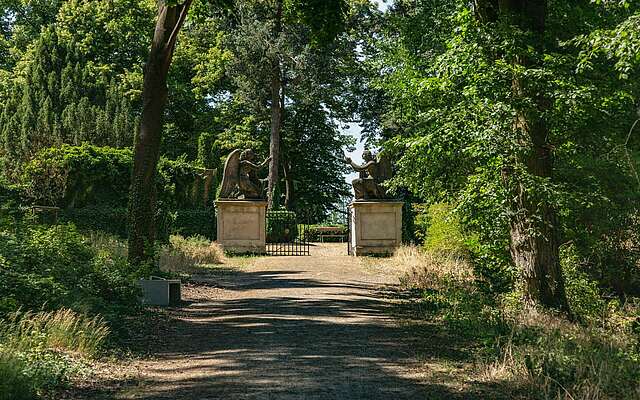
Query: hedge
point(187, 222)
point(282, 226)
point(92, 176)
point(312, 233)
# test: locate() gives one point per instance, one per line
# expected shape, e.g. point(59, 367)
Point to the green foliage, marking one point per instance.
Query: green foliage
point(282, 226)
point(447, 114)
point(52, 267)
point(442, 231)
point(78, 176)
point(35, 348)
point(583, 293)
point(312, 233)
point(91, 176)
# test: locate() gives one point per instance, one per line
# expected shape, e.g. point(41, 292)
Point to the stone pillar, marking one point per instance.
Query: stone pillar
point(376, 227)
point(241, 226)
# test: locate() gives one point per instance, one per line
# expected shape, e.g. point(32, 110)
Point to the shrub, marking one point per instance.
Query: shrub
point(53, 267)
point(76, 176)
point(15, 384)
point(583, 294)
point(312, 233)
point(443, 231)
point(186, 254)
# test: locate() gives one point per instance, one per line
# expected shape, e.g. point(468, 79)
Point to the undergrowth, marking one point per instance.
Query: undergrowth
point(530, 351)
point(188, 254)
point(40, 352)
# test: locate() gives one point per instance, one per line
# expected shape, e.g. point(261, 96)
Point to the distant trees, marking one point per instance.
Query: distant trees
point(279, 49)
point(70, 84)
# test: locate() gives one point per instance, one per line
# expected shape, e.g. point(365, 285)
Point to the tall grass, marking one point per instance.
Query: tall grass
point(61, 330)
point(426, 269)
point(188, 254)
point(40, 351)
point(539, 353)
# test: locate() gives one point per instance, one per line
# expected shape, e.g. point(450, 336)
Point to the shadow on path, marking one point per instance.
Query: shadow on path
point(283, 334)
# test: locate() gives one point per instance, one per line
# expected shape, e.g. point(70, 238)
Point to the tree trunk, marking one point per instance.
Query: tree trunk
point(276, 116)
point(142, 197)
point(288, 180)
point(533, 227)
point(286, 163)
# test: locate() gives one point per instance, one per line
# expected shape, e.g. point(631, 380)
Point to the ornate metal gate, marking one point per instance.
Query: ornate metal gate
point(285, 236)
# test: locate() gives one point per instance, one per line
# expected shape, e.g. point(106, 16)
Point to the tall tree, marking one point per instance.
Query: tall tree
point(535, 242)
point(276, 112)
point(142, 199)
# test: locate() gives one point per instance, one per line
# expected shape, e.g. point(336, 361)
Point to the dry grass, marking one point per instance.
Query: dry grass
point(426, 270)
point(527, 349)
point(567, 361)
point(189, 254)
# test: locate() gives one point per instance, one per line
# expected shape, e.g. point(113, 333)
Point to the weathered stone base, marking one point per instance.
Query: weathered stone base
point(241, 226)
point(376, 227)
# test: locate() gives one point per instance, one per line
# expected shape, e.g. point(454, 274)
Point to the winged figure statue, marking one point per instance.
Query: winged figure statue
point(374, 171)
point(240, 177)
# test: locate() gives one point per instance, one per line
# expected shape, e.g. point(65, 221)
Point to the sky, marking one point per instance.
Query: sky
point(356, 155)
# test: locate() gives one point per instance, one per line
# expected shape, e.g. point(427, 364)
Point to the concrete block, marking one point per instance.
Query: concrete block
point(161, 292)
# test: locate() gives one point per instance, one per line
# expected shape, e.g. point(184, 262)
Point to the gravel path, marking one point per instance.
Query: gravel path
point(316, 327)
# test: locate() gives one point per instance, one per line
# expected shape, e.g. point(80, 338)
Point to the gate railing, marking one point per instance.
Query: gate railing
point(285, 236)
point(349, 231)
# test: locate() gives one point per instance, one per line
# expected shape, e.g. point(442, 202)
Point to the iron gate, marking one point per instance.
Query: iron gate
point(349, 230)
point(285, 236)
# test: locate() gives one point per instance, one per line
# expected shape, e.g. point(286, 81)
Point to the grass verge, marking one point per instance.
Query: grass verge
point(40, 352)
point(533, 352)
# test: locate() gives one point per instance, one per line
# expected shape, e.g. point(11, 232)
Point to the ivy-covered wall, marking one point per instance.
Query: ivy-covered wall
point(91, 185)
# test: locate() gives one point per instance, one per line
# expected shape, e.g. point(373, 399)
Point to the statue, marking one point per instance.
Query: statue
point(240, 178)
point(373, 173)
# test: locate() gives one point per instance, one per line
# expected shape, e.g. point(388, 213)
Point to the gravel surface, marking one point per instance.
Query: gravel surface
point(318, 327)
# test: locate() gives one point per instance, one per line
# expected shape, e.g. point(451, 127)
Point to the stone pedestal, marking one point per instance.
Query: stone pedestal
point(376, 227)
point(241, 226)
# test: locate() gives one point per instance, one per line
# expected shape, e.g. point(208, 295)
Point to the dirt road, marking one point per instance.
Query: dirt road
point(314, 327)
